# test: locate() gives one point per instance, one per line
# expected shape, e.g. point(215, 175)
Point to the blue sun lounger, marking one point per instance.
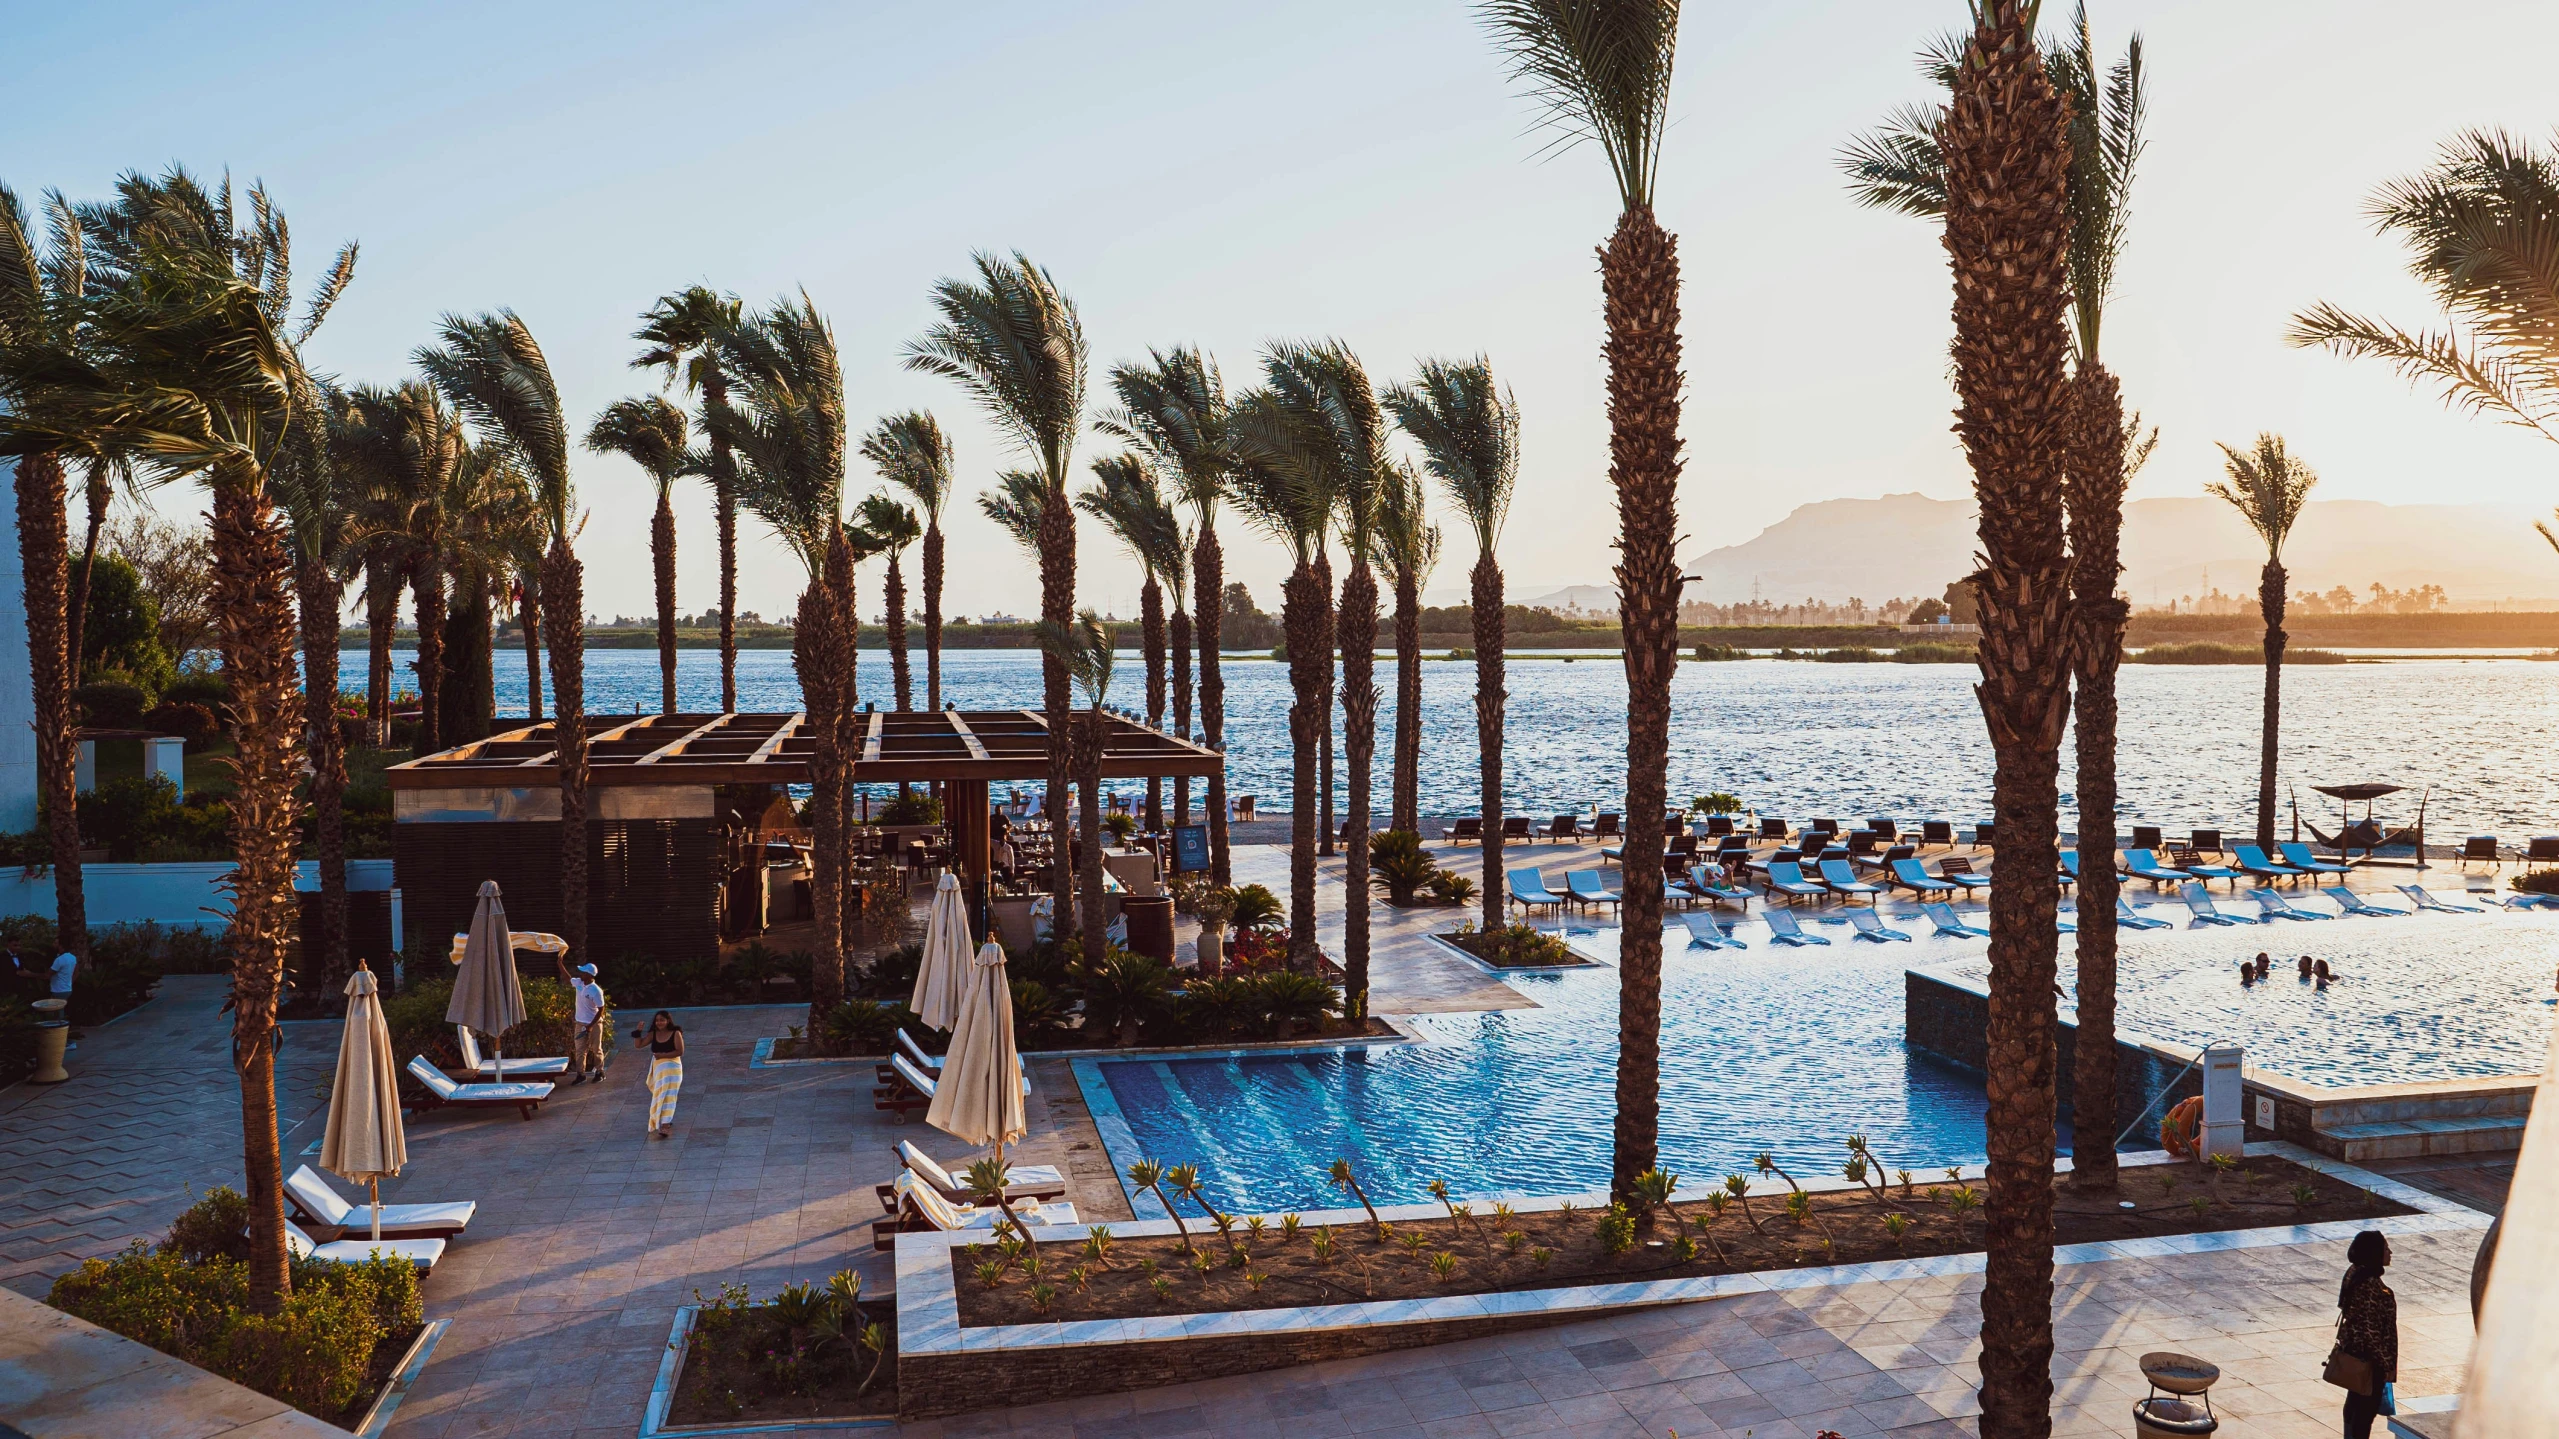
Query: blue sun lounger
point(1955, 869)
point(2210, 872)
point(1843, 880)
point(2126, 918)
point(2298, 855)
point(1949, 923)
point(1703, 929)
point(2199, 903)
point(1908, 874)
point(2069, 874)
point(2252, 860)
point(2353, 903)
point(2142, 864)
point(2417, 896)
point(1789, 881)
point(1706, 885)
point(1583, 887)
point(2273, 906)
point(1868, 927)
point(1783, 928)
point(1528, 887)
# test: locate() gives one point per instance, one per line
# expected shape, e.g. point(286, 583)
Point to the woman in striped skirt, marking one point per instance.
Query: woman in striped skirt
point(665, 1040)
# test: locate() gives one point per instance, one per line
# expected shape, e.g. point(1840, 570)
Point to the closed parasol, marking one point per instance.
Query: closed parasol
point(364, 1142)
point(487, 996)
point(978, 1099)
point(943, 978)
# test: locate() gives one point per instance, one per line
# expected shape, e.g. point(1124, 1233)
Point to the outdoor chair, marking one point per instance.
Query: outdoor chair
point(2127, 918)
point(1982, 835)
point(2272, 905)
point(1516, 826)
point(2353, 903)
point(475, 1067)
point(2299, 856)
point(1528, 888)
point(2542, 848)
point(1772, 829)
point(1604, 827)
point(1937, 831)
point(2481, 848)
point(1704, 929)
point(1707, 885)
point(1894, 852)
point(1823, 827)
point(1033, 1183)
point(1950, 924)
point(1244, 812)
point(1954, 869)
point(1733, 844)
point(2205, 841)
point(1783, 928)
point(904, 1089)
point(2147, 836)
point(1883, 830)
point(314, 1202)
point(1908, 874)
point(2417, 895)
point(1685, 845)
point(1862, 842)
point(2192, 862)
point(1869, 927)
point(2252, 860)
point(1784, 878)
point(920, 1209)
point(2142, 864)
point(1469, 830)
point(2199, 904)
point(1675, 824)
point(1584, 886)
point(1565, 826)
point(421, 1252)
point(444, 1093)
point(1718, 825)
point(1842, 880)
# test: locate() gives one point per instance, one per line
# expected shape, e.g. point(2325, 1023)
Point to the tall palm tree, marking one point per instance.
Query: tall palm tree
point(2268, 486)
point(2482, 228)
point(893, 526)
point(1012, 340)
point(399, 449)
point(1468, 429)
point(1084, 648)
point(1125, 498)
point(320, 515)
point(41, 291)
point(100, 477)
point(913, 454)
point(496, 536)
point(493, 371)
point(677, 331)
point(1902, 167)
point(1410, 544)
point(2008, 232)
point(1174, 409)
point(1603, 70)
point(650, 433)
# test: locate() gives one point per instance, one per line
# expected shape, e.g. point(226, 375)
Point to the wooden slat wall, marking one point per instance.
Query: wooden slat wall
point(652, 885)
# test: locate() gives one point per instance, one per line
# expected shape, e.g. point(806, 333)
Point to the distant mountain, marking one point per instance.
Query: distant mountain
point(1576, 599)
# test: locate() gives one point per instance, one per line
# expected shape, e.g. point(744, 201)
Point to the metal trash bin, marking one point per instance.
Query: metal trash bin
point(1150, 924)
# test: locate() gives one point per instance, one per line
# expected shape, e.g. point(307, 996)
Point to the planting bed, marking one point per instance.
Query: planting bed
point(741, 1366)
point(1474, 1253)
point(1514, 946)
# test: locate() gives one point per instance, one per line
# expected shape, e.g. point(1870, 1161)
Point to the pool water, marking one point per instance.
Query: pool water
point(1791, 1050)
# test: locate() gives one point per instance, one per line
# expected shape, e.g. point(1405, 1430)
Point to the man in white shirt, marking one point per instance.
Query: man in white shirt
point(586, 1053)
point(63, 966)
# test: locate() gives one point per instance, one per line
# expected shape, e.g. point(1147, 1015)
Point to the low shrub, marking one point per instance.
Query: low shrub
point(1720, 652)
point(415, 1017)
point(1514, 945)
point(913, 807)
point(212, 690)
point(1255, 908)
point(1124, 992)
point(2537, 881)
point(1850, 655)
point(2207, 652)
point(214, 1227)
point(1399, 867)
point(1720, 802)
point(112, 704)
point(863, 1026)
point(1933, 654)
point(191, 722)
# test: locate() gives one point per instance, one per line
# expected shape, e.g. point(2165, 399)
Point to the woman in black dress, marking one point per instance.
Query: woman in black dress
point(2368, 1328)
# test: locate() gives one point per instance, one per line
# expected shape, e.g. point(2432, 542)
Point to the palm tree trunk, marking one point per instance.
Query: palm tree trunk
point(896, 605)
point(1324, 736)
point(1208, 599)
point(2007, 233)
point(1490, 699)
point(1089, 735)
point(320, 596)
point(1639, 277)
point(1359, 741)
point(76, 609)
point(2096, 541)
point(1181, 654)
point(528, 617)
point(468, 659)
point(849, 730)
point(1301, 619)
point(1150, 639)
point(256, 620)
point(381, 620)
point(564, 585)
point(814, 655)
point(2270, 602)
point(1407, 802)
point(715, 394)
point(933, 615)
point(662, 555)
point(1057, 606)
point(43, 540)
point(426, 589)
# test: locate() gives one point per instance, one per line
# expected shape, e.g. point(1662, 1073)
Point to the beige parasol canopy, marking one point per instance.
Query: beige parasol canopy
point(487, 996)
point(979, 1096)
point(364, 1141)
point(943, 979)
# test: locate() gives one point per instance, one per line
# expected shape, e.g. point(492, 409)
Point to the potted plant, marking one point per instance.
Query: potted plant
point(1216, 905)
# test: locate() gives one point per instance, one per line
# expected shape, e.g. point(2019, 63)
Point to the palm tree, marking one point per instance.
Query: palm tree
point(1126, 499)
point(1085, 650)
point(100, 479)
point(1013, 341)
point(1410, 543)
point(2268, 487)
point(1902, 167)
point(913, 454)
point(893, 526)
point(2008, 232)
point(495, 537)
point(2480, 226)
point(319, 510)
point(1468, 429)
point(493, 371)
point(1174, 409)
point(400, 448)
point(1603, 70)
point(649, 432)
point(677, 331)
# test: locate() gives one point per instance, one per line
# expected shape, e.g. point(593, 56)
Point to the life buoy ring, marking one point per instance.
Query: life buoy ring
point(2178, 1129)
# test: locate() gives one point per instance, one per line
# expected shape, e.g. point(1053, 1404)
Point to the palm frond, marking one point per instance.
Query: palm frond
point(1126, 498)
point(893, 525)
point(325, 298)
point(648, 432)
point(911, 452)
point(1016, 504)
point(675, 332)
point(1899, 165)
point(1013, 341)
point(1084, 649)
point(2472, 375)
point(1407, 538)
point(1286, 471)
point(492, 370)
point(1601, 69)
point(1173, 410)
point(1468, 429)
point(2268, 486)
point(784, 421)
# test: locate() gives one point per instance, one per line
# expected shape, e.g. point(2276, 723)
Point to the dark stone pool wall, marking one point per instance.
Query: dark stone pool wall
point(1950, 1021)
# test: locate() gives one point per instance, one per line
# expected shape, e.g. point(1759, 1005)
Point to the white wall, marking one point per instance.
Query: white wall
point(169, 894)
point(17, 688)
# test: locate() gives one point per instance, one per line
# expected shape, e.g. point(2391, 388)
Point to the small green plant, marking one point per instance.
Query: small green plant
point(1398, 866)
point(1323, 1244)
point(875, 1340)
point(1081, 1276)
point(1443, 1264)
point(1201, 1263)
point(1898, 1225)
point(1254, 1280)
point(1502, 1213)
point(1540, 1255)
point(1799, 1206)
point(1862, 1158)
point(1904, 1176)
point(1514, 1241)
point(1962, 1201)
point(991, 1273)
point(2201, 1204)
point(1239, 1257)
point(1161, 1285)
point(1252, 1228)
point(1147, 1265)
point(1683, 1250)
point(1616, 1229)
point(1148, 1175)
point(1412, 1240)
point(1955, 1173)
point(1343, 1178)
point(2305, 1195)
point(1097, 1245)
point(1042, 1296)
point(2167, 1184)
point(1738, 1186)
point(1652, 1190)
point(1288, 1227)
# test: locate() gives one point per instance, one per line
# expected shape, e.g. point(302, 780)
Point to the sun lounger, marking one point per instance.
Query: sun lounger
point(2252, 860)
point(920, 1209)
point(444, 1093)
point(2479, 848)
point(2068, 874)
point(1985, 835)
point(1717, 826)
point(476, 1066)
point(1783, 928)
point(315, 1202)
point(1584, 886)
point(1516, 827)
point(1469, 830)
point(1565, 826)
point(2210, 872)
point(1786, 879)
point(1024, 1183)
point(2127, 919)
point(2353, 903)
point(1937, 831)
point(2149, 836)
point(2199, 902)
point(1836, 874)
point(2272, 906)
point(929, 1063)
point(1883, 829)
point(1707, 885)
point(2541, 849)
point(1605, 827)
point(2417, 895)
point(2205, 841)
point(2298, 855)
point(1954, 870)
point(1772, 828)
point(1702, 929)
point(1869, 927)
point(1950, 924)
point(2144, 864)
point(421, 1252)
point(905, 1088)
point(1528, 888)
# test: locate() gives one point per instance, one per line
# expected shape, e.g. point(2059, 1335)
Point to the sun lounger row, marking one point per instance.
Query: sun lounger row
point(415, 1232)
point(2272, 906)
point(920, 1207)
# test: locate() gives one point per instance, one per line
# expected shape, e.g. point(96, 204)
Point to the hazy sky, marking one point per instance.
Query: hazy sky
point(1227, 174)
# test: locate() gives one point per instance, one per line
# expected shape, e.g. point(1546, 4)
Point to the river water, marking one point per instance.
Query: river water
point(1800, 740)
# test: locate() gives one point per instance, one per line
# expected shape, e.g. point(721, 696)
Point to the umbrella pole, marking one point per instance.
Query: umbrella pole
point(376, 1186)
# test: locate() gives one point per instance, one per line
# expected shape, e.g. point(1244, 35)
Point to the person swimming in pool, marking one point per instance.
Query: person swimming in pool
point(2321, 973)
point(2305, 966)
point(2265, 966)
point(2247, 974)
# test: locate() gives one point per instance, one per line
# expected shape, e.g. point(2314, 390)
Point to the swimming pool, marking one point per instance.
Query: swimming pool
point(1788, 1051)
